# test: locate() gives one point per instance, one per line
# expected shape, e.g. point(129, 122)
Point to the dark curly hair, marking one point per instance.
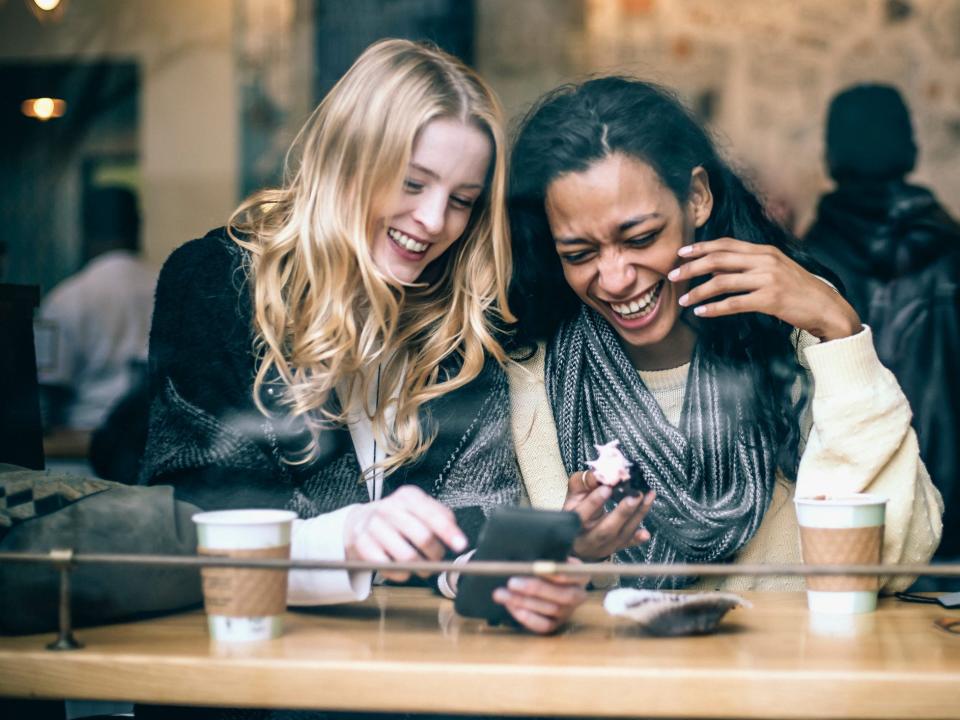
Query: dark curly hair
point(575, 126)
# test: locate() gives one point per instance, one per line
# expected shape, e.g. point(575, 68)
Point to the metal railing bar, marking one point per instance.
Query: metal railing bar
point(539, 567)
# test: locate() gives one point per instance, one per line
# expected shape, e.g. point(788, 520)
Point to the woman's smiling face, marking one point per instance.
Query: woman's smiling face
point(446, 176)
point(617, 229)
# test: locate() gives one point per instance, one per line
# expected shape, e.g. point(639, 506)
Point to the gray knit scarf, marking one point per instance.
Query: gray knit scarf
point(713, 475)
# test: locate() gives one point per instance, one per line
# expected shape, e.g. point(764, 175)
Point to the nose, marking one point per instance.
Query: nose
point(616, 275)
point(430, 212)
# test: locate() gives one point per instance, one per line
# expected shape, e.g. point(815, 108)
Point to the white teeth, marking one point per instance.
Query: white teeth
point(641, 306)
point(405, 241)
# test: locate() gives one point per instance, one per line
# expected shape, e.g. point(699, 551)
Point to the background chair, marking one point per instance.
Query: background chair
point(21, 430)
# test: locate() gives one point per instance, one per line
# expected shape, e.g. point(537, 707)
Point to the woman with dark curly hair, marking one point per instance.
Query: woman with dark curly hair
point(670, 313)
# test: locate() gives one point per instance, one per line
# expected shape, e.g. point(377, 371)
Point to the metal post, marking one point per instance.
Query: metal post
point(66, 640)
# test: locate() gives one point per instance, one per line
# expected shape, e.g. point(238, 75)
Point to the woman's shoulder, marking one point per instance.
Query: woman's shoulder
point(525, 366)
point(203, 290)
point(213, 250)
point(210, 263)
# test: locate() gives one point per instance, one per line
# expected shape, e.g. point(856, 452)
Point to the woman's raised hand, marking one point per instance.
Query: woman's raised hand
point(603, 534)
point(760, 278)
point(543, 604)
point(406, 526)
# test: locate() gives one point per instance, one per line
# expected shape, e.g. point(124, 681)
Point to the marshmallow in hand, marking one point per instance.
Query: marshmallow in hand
point(610, 467)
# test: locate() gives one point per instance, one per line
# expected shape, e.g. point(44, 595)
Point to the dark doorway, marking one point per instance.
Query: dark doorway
point(343, 30)
point(42, 170)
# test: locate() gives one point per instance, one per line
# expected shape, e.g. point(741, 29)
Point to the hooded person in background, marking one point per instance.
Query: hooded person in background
point(897, 252)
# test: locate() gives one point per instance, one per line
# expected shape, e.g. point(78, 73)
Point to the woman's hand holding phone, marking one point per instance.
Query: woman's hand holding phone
point(540, 604)
point(543, 604)
point(604, 533)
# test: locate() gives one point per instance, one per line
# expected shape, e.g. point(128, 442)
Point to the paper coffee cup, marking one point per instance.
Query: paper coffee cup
point(841, 531)
point(244, 604)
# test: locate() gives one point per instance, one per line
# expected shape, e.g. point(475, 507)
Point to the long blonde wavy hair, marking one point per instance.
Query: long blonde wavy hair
point(325, 317)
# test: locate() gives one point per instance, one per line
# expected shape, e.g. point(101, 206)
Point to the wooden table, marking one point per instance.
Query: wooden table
point(405, 650)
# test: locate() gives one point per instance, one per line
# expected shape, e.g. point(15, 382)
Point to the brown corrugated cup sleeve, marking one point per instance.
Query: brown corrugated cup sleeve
point(841, 546)
point(243, 592)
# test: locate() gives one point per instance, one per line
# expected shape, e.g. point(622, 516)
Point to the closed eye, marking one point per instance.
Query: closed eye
point(412, 186)
point(575, 257)
point(462, 202)
point(643, 240)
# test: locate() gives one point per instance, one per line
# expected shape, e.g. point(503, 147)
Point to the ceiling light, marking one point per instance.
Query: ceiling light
point(44, 108)
point(47, 11)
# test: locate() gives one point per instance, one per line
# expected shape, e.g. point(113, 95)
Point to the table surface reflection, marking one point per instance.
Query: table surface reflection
point(404, 650)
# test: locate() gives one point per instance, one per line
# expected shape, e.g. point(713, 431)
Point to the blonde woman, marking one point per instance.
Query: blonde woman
point(334, 350)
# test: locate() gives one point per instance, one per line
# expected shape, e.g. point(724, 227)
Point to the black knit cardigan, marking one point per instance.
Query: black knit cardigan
point(209, 440)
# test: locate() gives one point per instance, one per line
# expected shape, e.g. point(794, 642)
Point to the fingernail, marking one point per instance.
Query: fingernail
point(500, 595)
point(633, 501)
point(700, 310)
point(605, 491)
point(685, 250)
point(674, 274)
point(459, 543)
point(517, 584)
point(684, 299)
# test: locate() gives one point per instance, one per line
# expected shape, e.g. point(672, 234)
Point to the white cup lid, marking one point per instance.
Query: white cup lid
point(842, 500)
point(244, 517)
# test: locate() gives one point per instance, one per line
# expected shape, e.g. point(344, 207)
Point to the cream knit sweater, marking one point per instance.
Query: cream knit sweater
point(858, 439)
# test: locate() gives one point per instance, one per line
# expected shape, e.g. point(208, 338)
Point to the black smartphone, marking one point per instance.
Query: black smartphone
point(514, 534)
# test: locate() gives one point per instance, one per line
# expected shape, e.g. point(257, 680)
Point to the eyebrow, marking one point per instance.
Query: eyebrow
point(432, 174)
point(622, 227)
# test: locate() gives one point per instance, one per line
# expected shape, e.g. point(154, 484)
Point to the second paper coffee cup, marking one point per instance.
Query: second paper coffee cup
point(841, 531)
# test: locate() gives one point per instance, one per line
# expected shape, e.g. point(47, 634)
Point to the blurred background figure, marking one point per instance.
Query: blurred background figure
point(95, 324)
point(897, 252)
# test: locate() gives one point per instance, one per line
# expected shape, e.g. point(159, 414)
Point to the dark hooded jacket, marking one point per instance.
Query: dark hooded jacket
point(897, 252)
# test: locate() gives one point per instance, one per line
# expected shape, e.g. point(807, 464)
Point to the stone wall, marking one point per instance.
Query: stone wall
point(762, 71)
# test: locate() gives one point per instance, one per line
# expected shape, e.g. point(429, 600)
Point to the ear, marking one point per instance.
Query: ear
point(700, 198)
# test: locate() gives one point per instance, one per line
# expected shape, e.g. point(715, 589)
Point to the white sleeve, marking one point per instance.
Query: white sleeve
point(447, 581)
point(321, 538)
point(861, 418)
point(862, 441)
